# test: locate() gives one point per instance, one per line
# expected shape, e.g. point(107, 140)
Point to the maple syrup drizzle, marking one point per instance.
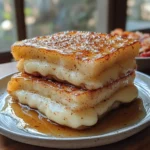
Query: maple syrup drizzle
point(124, 116)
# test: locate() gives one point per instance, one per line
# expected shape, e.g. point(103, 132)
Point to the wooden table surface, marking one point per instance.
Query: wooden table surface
point(139, 141)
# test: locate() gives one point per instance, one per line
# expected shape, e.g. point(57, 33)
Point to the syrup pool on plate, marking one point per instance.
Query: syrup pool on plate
point(31, 120)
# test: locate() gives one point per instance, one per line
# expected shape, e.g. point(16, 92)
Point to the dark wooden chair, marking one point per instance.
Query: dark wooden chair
point(5, 57)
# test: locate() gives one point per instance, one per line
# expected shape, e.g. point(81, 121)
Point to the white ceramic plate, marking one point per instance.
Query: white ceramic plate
point(9, 129)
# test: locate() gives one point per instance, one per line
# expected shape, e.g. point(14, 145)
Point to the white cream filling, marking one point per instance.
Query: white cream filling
point(74, 119)
point(74, 76)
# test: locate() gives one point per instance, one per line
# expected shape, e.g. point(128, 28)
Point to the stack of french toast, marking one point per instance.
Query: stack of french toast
point(74, 77)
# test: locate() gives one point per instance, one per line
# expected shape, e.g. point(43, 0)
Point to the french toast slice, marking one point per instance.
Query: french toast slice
point(68, 105)
point(77, 57)
point(72, 97)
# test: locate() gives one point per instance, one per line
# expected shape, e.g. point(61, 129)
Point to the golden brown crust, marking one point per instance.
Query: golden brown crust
point(62, 87)
point(78, 45)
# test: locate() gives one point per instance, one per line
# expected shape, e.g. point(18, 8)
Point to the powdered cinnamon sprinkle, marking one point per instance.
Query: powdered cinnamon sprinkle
point(79, 43)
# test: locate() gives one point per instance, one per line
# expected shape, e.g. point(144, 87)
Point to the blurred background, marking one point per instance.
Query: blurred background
point(20, 19)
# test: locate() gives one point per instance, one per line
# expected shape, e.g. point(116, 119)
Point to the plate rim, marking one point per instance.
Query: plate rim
point(120, 131)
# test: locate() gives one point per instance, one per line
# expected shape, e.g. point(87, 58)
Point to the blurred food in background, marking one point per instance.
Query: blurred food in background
point(144, 39)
